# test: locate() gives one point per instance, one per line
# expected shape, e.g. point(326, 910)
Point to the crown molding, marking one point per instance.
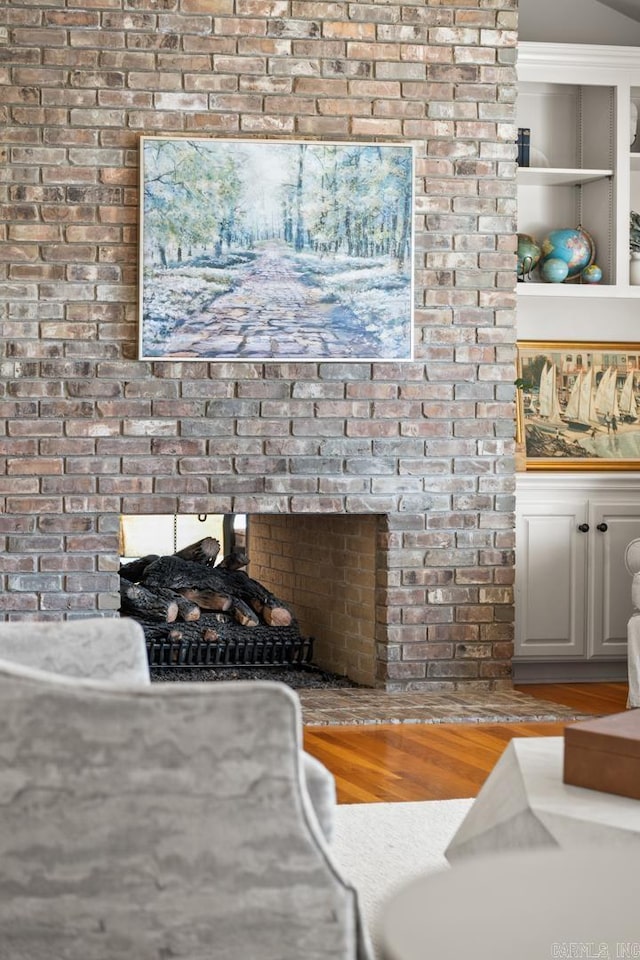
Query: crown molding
point(579, 55)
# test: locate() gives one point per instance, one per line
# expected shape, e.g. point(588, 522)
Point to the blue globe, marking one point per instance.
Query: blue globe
point(575, 247)
point(554, 270)
point(592, 274)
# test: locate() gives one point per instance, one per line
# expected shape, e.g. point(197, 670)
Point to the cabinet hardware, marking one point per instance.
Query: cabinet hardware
point(602, 527)
point(583, 527)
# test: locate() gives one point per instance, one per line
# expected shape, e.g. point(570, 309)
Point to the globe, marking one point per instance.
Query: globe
point(554, 270)
point(529, 253)
point(575, 247)
point(591, 274)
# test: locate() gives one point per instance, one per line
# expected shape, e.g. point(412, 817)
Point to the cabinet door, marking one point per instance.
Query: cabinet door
point(609, 596)
point(551, 568)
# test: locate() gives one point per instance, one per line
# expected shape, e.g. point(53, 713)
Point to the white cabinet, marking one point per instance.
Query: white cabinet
point(551, 572)
point(612, 525)
point(573, 592)
point(576, 101)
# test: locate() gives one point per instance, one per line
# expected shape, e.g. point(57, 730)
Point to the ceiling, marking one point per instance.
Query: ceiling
point(630, 8)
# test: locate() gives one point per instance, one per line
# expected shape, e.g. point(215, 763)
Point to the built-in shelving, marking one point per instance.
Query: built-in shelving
point(576, 101)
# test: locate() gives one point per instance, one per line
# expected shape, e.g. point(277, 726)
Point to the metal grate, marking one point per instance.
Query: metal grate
point(171, 654)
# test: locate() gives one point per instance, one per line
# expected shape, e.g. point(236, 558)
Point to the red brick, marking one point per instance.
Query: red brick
point(269, 46)
point(262, 8)
point(344, 107)
point(34, 505)
point(210, 7)
point(349, 30)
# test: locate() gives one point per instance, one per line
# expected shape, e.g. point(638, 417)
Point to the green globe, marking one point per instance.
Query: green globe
point(575, 247)
point(529, 253)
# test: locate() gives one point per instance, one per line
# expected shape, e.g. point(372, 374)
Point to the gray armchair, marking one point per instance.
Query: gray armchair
point(155, 820)
point(168, 820)
point(115, 650)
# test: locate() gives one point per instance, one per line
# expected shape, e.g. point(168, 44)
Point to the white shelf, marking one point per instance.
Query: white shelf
point(559, 176)
point(534, 289)
point(621, 292)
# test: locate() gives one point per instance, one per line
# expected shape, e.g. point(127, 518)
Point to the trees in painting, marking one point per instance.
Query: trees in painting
point(190, 204)
point(335, 217)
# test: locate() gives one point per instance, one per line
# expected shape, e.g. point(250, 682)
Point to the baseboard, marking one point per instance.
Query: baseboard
point(567, 672)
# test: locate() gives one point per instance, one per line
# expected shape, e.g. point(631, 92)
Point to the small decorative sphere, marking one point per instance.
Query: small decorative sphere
point(554, 270)
point(592, 274)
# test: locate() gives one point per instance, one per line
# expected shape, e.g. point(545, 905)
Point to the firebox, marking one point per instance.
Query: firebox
point(321, 568)
point(325, 567)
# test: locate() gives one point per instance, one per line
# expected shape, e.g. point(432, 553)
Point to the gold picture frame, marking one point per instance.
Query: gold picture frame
point(578, 405)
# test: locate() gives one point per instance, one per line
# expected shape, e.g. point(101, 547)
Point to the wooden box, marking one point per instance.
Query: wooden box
point(604, 754)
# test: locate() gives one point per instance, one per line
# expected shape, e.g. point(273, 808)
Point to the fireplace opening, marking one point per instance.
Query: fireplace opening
point(319, 568)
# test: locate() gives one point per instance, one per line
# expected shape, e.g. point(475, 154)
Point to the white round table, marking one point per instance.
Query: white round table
point(530, 905)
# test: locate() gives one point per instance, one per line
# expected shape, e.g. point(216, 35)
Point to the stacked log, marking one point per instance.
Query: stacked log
point(189, 598)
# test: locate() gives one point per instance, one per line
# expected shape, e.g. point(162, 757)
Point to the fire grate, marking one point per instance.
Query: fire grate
point(172, 654)
point(216, 640)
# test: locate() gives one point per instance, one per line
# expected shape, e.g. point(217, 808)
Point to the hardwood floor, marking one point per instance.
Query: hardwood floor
point(598, 698)
point(396, 762)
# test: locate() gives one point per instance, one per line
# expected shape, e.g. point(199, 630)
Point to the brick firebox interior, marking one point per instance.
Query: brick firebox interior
point(90, 432)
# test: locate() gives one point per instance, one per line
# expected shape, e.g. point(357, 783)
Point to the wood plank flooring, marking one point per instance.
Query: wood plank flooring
point(599, 698)
point(398, 762)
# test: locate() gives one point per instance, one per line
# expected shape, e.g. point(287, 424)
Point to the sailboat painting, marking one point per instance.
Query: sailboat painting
point(579, 405)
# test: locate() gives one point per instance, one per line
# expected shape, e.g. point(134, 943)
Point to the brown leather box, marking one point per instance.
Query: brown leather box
point(604, 754)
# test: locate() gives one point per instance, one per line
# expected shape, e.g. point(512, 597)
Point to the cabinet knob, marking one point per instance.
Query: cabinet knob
point(602, 527)
point(583, 527)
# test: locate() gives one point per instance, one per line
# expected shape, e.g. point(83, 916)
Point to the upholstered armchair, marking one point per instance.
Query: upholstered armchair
point(632, 563)
point(162, 820)
point(115, 650)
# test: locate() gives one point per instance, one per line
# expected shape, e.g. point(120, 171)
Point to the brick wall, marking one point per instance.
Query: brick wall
point(89, 432)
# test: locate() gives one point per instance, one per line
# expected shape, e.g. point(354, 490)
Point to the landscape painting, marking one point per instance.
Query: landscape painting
point(579, 405)
point(274, 250)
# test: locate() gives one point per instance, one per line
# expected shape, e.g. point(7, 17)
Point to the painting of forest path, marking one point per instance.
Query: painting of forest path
point(275, 250)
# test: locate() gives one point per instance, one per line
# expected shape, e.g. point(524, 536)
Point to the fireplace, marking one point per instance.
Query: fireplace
point(377, 593)
point(423, 449)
